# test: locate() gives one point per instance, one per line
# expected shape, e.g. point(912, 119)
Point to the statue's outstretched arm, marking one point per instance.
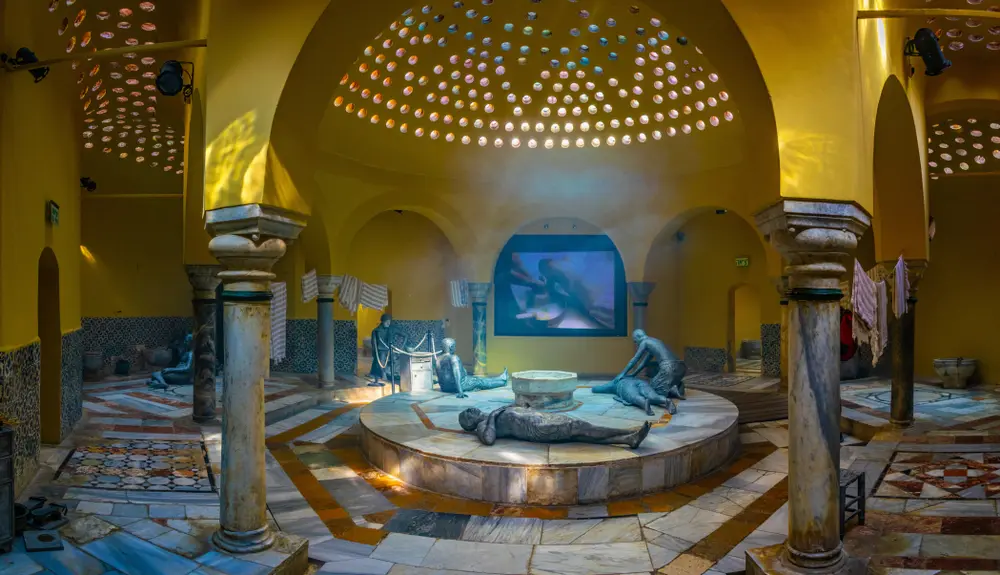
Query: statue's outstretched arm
point(635, 361)
point(456, 370)
point(487, 430)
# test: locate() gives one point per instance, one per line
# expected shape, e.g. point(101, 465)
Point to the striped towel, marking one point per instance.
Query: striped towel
point(459, 293)
point(901, 288)
point(350, 294)
point(863, 297)
point(880, 332)
point(310, 290)
point(374, 296)
point(279, 311)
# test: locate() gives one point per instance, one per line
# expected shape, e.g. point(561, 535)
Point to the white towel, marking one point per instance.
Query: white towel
point(374, 296)
point(459, 293)
point(350, 294)
point(279, 311)
point(863, 298)
point(901, 289)
point(310, 290)
point(880, 332)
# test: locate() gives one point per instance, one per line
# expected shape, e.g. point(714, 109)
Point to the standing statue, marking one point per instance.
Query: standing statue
point(541, 427)
point(452, 377)
point(182, 374)
point(383, 358)
point(665, 369)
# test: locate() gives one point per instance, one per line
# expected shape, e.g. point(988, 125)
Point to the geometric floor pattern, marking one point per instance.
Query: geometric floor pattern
point(139, 465)
point(942, 476)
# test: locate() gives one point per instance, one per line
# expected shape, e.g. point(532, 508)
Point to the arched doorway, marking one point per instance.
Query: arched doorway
point(50, 335)
point(743, 340)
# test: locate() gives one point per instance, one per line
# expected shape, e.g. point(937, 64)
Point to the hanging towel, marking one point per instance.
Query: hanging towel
point(880, 332)
point(374, 296)
point(279, 310)
point(310, 290)
point(350, 294)
point(901, 289)
point(863, 299)
point(459, 293)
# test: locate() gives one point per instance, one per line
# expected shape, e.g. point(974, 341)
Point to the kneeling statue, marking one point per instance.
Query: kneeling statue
point(667, 377)
point(181, 374)
point(541, 427)
point(452, 377)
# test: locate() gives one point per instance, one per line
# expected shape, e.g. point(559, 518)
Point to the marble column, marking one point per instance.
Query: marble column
point(246, 299)
point(902, 337)
point(479, 296)
point(204, 279)
point(783, 302)
point(325, 329)
point(640, 291)
point(816, 239)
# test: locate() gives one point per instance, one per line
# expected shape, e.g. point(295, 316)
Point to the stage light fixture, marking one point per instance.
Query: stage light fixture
point(173, 79)
point(22, 57)
point(926, 45)
point(88, 184)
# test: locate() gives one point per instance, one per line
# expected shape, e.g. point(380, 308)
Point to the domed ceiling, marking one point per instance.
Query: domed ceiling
point(965, 35)
point(964, 145)
point(527, 74)
point(121, 106)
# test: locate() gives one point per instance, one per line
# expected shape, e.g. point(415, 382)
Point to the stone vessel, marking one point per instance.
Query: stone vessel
point(544, 389)
point(955, 371)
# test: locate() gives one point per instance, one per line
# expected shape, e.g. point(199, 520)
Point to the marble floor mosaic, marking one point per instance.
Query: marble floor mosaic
point(942, 476)
point(933, 405)
point(159, 465)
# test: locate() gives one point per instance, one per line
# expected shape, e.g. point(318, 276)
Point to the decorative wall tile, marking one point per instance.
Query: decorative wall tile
point(345, 351)
point(72, 381)
point(118, 336)
point(416, 329)
point(770, 345)
point(710, 359)
point(20, 373)
point(300, 347)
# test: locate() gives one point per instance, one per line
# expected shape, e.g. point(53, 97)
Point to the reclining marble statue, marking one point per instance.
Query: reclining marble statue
point(452, 377)
point(181, 374)
point(666, 382)
point(542, 427)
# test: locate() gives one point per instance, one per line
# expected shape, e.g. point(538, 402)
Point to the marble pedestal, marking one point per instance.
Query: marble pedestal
point(545, 390)
point(771, 561)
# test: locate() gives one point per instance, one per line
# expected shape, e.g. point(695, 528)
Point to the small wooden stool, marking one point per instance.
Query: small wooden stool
point(851, 504)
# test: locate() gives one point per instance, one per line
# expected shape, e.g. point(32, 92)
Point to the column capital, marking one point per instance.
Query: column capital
point(640, 291)
point(479, 291)
point(917, 268)
point(816, 238)
point(248, 261)
point(204, 279)
point(780, 284)
point(255, 219)
point(326, 285)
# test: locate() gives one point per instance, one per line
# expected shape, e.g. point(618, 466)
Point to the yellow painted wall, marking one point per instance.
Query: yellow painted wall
point(138, 267)
point(40, 162)
point(747, 310)
point(957, 315)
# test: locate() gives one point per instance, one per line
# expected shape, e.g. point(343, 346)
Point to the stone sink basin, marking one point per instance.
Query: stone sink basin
point(955, 371)
point(544, 389)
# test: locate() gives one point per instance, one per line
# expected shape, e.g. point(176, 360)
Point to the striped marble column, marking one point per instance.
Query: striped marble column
point(246, 299)
point(479, 297)
point(817, 239)
point(639, 292)
point(325, 329)
point(902, 336)
point(204, 279)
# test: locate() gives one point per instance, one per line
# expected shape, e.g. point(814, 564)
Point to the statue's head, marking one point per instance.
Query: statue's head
point(638, 336)
point(386, 319)
point(470, 418)
point(449, 345)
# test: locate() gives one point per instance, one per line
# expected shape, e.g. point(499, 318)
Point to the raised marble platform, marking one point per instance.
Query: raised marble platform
point(416, 437)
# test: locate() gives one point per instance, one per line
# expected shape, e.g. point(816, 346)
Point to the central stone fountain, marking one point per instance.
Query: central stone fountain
point(544, 390)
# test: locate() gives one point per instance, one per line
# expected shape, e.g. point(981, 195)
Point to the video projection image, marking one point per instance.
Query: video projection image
point(560, 286)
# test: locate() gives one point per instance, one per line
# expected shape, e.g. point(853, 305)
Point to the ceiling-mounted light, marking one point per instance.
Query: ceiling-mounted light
point(925, 44)
point(23, 57)
point(173, 79)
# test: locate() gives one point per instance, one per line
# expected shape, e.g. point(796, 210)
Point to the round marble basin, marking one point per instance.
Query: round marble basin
point(543, 389)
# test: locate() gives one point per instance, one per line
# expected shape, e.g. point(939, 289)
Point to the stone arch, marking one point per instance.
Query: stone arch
point(50, 336)
point(900, 223)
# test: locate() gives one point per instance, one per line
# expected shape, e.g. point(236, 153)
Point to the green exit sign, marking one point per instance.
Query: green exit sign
point(742, 262)
point(52, 214)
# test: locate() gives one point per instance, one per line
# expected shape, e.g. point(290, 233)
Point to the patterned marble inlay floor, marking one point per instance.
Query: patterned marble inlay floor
point(140, 465)
point(942, 476)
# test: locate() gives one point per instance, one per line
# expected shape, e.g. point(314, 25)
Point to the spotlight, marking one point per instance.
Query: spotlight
point(925, 44)
point(25, 56)
point(88, 184)
point(721, 212)
point(171, 79)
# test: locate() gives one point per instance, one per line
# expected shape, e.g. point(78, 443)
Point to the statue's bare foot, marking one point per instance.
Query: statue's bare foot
point(649, 409)
point(671, 408)
point(461, 396)
point(641, 435)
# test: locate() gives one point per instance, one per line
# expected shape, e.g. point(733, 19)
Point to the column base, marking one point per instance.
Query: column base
point(901, 423)
point(205, 418)
point(244, 541)
point(774, 560)
point(293, 552)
